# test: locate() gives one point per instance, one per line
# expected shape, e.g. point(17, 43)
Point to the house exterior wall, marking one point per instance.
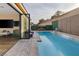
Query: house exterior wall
point(15, 17)
point(15, 12)
point(8, 14)
point(46, 23)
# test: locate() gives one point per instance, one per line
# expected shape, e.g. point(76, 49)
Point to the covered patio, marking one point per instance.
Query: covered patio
point(14, 25)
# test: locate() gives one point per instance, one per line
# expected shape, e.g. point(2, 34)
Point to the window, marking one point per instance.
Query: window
point(6, 23)
point(16, 23)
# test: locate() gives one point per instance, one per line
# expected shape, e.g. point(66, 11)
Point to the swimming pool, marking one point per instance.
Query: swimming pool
point(56, 45)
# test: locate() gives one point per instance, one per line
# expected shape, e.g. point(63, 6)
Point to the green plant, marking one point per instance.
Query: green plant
point(16, 34)
point(55, 24)
point(48, 27)
point(34, 27)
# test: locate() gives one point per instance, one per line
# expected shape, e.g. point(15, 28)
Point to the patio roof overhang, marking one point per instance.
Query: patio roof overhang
point(19, 7)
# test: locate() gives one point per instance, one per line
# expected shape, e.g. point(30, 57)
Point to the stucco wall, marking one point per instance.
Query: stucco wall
point(68, 28)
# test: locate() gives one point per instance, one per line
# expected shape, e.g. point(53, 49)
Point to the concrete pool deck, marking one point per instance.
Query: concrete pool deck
point(24, 47)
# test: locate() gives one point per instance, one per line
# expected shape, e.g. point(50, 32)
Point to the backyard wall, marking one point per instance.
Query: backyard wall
point(69, 24)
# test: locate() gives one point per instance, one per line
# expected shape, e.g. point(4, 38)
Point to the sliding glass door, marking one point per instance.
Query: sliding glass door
point(25, 26)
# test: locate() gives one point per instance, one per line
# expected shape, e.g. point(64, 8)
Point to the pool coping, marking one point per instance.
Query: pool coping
point(75, 37)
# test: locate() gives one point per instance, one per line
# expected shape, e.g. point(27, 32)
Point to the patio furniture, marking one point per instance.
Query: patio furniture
point(31, 34)
point(4, 33)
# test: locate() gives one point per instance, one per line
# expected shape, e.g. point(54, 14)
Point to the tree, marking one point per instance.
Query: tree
point(57, 13)
point(31, 23)
point(34, 27)
point(52, 17)
point(41, 20)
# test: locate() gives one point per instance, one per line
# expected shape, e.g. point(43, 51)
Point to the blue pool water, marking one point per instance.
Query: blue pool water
point(56, 45)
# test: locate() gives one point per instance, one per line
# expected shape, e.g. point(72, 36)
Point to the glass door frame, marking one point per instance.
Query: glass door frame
point(27, 15)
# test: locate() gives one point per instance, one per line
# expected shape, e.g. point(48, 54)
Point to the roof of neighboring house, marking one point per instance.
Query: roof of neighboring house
point(48, 20)
point(45, 22)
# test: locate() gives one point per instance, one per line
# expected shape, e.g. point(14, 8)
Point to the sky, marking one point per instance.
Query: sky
point(46, 10)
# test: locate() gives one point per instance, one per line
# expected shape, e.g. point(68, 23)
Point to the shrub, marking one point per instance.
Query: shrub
point(34, 27)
